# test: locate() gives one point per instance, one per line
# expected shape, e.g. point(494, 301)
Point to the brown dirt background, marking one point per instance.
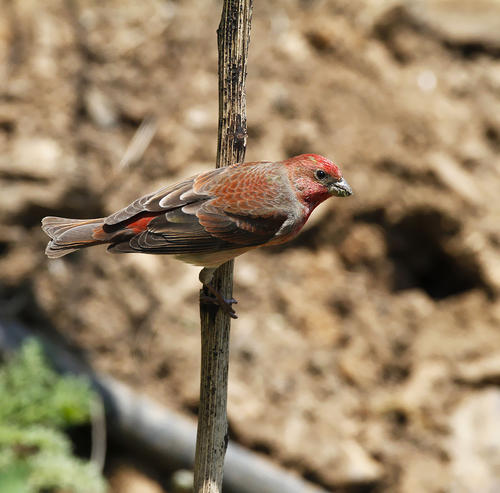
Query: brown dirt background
point(367, 352)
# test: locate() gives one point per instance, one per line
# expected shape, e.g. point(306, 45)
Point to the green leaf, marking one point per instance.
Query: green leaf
point(36, 405)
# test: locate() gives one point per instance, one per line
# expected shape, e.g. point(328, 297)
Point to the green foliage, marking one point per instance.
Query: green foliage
point(35, 405)
point(34, 393)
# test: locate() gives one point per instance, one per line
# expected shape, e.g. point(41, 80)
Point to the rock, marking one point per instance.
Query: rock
point(474, 446)
point(424, 473)
point(455, 178)
point(345, 463)
point(460, 21)
point(360, 468)
point(480, 371)
point(417, 394)
point(34, 157)
point(487, 258)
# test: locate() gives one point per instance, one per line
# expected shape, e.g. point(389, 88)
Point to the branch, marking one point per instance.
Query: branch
point(233, 37)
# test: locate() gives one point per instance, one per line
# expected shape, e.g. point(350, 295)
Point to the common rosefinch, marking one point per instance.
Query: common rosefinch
point(211, 217)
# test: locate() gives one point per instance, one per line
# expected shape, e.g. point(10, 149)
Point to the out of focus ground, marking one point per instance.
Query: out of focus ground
point(367, 352)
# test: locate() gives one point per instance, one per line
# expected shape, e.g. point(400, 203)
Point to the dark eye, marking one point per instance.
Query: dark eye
point(320, 174)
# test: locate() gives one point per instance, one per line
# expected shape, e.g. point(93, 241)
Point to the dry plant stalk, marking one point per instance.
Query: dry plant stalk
point(233, 38)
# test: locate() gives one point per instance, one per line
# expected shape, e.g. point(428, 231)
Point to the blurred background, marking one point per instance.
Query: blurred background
point(366, 356)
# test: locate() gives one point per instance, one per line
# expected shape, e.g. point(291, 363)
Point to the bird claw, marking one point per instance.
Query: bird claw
point(216, 299)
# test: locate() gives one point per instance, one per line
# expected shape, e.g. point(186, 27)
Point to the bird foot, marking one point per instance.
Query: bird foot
point(216, 298)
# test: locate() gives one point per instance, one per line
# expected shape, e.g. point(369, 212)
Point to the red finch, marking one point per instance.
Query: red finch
point(211, 217)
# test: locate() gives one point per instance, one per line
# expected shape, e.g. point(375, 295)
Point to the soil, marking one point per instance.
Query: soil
point(366, 348)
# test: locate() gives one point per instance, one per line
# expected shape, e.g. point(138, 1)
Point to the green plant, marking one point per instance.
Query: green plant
point(36, 405)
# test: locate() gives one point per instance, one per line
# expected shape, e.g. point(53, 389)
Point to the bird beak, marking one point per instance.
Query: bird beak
point(341, 188)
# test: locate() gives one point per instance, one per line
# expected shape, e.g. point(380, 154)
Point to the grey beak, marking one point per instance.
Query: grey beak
point(341, 188)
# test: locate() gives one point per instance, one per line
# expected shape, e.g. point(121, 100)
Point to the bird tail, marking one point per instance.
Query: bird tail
point(68, 235)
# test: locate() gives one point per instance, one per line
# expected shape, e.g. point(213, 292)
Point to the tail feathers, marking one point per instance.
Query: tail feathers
point(68, 235)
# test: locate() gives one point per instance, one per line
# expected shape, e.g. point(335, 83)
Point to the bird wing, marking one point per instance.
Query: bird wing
point(164, 199)
point(221, 209)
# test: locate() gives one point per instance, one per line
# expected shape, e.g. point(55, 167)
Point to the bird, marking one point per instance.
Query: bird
point(211, 217)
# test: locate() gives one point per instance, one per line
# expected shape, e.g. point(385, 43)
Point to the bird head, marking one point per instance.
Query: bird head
point(316, 178)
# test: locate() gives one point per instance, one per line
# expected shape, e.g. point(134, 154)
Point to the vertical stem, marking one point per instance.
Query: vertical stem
point(233, 38)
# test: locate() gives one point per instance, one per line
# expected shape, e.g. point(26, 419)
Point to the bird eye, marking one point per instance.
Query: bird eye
point(320, 174)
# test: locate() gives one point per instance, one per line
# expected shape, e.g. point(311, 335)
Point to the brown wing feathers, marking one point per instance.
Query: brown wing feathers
point(190, 223)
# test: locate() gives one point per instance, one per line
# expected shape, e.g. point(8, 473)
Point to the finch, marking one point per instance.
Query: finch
point(211, 217)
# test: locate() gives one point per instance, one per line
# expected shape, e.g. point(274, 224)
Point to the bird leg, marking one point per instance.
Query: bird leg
point(215, 297)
